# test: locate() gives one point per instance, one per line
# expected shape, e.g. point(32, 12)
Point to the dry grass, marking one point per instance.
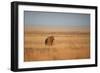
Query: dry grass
point(68, 45)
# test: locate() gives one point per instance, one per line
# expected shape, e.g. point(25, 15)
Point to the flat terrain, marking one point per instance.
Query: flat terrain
point(66, 46)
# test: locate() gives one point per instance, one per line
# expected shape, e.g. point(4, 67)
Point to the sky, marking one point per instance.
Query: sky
point(56, 19)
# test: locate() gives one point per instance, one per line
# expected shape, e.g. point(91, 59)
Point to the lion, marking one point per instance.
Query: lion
point(49, 40)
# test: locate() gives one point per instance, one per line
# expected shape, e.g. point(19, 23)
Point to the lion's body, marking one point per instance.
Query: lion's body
point(49, 40)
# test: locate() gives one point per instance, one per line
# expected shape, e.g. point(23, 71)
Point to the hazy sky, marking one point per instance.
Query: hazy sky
point(52, 19)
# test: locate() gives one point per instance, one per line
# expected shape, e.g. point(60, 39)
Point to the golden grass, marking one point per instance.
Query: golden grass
point(66, 46)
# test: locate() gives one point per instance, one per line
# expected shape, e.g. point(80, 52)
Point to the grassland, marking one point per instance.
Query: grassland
point(66, 46)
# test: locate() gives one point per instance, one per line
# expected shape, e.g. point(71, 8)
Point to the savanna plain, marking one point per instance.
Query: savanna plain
point(66, 45)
